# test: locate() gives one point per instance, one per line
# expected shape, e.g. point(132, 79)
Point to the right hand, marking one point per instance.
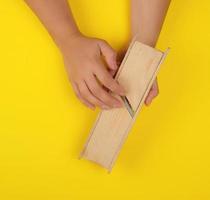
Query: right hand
point(90, 63)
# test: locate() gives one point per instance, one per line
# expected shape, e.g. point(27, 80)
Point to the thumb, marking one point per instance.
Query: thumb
point(109, 54)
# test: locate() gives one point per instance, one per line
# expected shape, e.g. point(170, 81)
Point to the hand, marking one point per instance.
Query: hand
point(90, 63)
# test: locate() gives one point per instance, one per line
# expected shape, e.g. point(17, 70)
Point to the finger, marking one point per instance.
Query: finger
point(88, 96)
point(100, 93)
point(152, 93)
point(107, 80)
point(120, 56)
point(109, 54)
point(112, 72)
point(76, 90)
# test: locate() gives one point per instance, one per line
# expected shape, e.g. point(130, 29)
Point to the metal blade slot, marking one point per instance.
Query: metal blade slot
point(128, 106)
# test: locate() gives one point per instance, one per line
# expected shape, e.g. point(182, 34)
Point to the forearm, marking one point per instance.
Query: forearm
point(56, 17)
point(147, 17)
point(86, 69)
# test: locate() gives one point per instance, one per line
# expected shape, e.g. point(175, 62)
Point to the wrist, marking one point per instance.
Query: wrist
point(150, 41)
point(66, 39)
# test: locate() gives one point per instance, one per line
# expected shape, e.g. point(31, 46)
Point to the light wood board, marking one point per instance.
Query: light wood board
point(136, 74)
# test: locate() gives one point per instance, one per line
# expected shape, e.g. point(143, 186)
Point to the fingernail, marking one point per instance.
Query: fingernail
point(148, 102)
point(92, 107)
point(118, 105)
point(105, 107)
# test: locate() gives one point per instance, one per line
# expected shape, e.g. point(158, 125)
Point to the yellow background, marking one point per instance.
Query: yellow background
point(43, 126)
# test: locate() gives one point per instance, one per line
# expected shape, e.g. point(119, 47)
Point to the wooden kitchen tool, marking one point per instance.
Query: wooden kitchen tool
point(136, 74)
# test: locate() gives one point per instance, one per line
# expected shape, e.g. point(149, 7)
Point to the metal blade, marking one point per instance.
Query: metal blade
point(128, 106)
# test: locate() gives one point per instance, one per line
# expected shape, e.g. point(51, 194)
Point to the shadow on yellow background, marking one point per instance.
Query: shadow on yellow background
point(43, 126)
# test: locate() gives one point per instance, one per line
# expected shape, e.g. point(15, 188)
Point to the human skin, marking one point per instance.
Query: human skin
point(92, 62)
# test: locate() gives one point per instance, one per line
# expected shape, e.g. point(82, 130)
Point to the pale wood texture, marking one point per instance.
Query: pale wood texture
point(137, 73)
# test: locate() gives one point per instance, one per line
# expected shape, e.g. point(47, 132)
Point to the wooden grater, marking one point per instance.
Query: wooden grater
point(136, 74)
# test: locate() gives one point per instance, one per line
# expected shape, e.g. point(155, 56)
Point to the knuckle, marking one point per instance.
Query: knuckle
point(103, 96)
point(81, 89)
point(83, 93)
point(78, 80)
point(99, 93)
point(108, 99)
point(114, 86)
point(86, 103)
point(109, 102)
point(89, 97)
point(95, 90)
point(96, 102)
point(105, 80)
